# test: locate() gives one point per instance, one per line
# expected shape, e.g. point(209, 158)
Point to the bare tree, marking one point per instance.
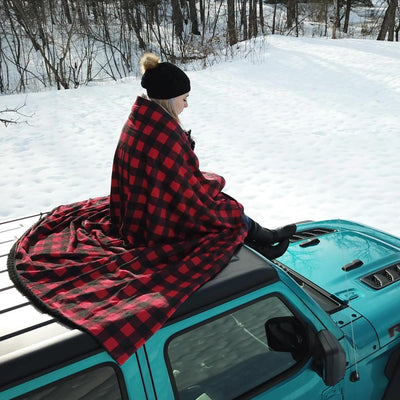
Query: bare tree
point(193, 17)
point(274, 17)
point(177, 17)
point(388, 23)
point(67, 43)
point(253, 28)
point(243, 19)
point(132, 17)
point(347, 16)
point(36, 30)
point(67, 10)
point(261, 12)
point(231, 25)
point(291, 13)
point(335, 18)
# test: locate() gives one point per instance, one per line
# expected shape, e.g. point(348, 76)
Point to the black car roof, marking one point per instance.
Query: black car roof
point(32, 342)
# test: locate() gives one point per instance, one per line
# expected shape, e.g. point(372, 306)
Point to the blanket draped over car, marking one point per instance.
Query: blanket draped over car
point(119, 266)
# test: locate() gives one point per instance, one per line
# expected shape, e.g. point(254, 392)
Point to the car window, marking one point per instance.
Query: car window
point(93, 384)
point(228, 356)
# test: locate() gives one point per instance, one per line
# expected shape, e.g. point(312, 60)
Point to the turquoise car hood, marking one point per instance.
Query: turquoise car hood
point(322, 262)
point(348, 260)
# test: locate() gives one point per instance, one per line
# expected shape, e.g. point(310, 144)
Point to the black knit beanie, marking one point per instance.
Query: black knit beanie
point(163, 80)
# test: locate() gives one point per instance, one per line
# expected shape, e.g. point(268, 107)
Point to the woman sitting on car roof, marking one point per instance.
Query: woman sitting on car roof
point(158, 193)
point(119, 266)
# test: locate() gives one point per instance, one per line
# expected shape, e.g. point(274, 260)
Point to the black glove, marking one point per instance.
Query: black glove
point(189, 136)
point(263, 239)
point(262, 235)
point(271, 251)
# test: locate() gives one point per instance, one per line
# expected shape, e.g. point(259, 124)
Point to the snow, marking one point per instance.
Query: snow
point(301, 129)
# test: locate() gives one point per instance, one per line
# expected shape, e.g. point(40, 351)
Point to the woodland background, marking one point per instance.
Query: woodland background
point(64, 44)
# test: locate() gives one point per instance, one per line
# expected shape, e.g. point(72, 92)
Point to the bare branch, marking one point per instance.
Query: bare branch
point(13, 115)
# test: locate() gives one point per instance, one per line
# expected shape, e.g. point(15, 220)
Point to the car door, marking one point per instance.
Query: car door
point(223, 353)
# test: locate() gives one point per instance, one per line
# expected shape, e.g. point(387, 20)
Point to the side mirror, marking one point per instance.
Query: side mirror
point(330, 358)
point(288, 334)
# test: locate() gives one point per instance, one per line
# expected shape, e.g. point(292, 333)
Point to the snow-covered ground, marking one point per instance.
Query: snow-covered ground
point(305, 129)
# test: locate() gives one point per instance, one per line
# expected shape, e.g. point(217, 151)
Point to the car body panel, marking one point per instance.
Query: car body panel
point(36, 350)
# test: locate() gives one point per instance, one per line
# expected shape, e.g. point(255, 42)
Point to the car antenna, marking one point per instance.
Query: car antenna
point(355, 376)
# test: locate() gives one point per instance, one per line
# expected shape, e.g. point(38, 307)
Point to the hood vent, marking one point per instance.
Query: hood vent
point(384, 277)
point(310, 234)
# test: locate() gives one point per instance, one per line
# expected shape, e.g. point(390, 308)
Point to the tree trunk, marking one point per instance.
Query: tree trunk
point(274, 17)
point(347, 17)
point(202, 12)
point(193, 17)
point(67, 11)
point(392, 19)
point(253, 28)
point(262, 22)
point(388, 22)
point(243, 20)
point(290, 13)
point(137, 26)
point(334, 22)
point(177, 17)
point(94, 11)
point(232, 36)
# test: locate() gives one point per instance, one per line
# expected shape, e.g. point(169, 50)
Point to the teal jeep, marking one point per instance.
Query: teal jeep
point(321, 322)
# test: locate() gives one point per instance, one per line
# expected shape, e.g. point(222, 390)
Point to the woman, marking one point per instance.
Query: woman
point(158, 193)
point(119, 266)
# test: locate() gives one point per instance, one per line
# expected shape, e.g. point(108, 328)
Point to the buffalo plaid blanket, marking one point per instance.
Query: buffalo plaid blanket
point(119, 266)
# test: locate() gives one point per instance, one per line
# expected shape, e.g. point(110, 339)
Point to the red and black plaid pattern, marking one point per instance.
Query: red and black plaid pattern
point(119, 266)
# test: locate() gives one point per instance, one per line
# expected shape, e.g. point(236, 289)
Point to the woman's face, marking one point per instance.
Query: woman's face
point(180, 102)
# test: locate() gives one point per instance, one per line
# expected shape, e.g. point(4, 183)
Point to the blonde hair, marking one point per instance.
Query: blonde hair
point(168, 106)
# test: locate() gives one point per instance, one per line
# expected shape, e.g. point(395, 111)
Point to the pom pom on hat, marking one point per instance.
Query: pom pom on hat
point(162, 80)
point(148, 61)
